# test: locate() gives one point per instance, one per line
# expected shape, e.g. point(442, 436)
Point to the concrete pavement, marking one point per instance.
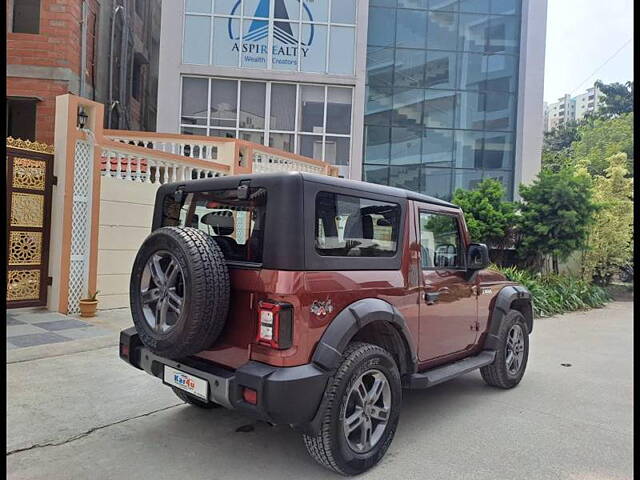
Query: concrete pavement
point(88, 415)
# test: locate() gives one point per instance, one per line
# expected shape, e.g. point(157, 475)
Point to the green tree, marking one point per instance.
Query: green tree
point(554, 218)
point(609, 242)
point(489, 218)
point(617, 98)
point(600, 139)
point(561, 138)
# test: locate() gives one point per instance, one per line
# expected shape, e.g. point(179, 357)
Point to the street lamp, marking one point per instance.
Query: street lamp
point(82, 118)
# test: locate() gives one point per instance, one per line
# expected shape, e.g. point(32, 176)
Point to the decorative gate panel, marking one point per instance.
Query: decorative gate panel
point(29, 170)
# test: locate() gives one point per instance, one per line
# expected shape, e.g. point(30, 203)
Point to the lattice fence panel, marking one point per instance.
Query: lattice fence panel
point(78, 270)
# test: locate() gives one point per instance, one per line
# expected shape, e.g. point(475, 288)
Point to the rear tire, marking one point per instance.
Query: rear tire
point(191, 400)
point(513, 349)
point(363, 365)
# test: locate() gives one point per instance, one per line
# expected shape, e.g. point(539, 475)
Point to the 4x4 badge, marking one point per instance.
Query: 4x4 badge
point(320, 308)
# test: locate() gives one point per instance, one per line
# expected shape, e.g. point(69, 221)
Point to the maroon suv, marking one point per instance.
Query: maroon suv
point(313, 301)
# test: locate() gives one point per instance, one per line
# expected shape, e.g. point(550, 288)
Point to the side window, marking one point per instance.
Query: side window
point(356, 227)
point(439, 241)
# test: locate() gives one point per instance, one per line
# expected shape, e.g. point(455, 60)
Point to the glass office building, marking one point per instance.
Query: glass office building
point(429, 95)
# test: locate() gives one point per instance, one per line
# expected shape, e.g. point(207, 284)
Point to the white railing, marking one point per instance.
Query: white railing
point(264, 162)
point(202, 150)
point(123, 164)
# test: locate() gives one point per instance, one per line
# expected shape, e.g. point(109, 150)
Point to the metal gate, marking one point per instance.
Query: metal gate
point(29, 171)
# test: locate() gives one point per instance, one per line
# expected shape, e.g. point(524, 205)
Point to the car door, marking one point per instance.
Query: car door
point(448, 302)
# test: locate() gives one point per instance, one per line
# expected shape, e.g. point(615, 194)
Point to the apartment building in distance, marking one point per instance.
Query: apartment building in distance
point(104, 50)
point(571, 109)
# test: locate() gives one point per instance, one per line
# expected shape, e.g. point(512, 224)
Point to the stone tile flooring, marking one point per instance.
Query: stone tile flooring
point(29, 328)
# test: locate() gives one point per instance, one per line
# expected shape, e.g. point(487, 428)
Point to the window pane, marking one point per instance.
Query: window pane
point(21, 119)
point(194, 97)
point(436, 182)
point(472, 32)
point(285, 45)
point(26, 16)
point(474, 6)
point(470, 110)
point(406, 145)
point(252, 99)
point(225, 51)
point(500, 110)
point(407, 106)
point(410, 25)
point(356, 227)
point(197, 34)
point(198, 6)
point(466, 179)
point(379, 106)
point(314, 58)
point(469, 149)
point(283, 107)
point(255, 137)
point(319, 10)
point(222, 133)
point(441, 70)
point(282, 141)
point(498, 151)
point(409, 67)
point(310, 146)
point(407, 176)
point(193, 131)
point(311, 109)
point(377, 145)
point(376, 174)
point(287, 9)
point(224, 99)
point(504, 34)
point(339, 110)
point(254, 43)
point(343, 11)
point(501, 73)
point(227, 7)
point(256, 8)
point(341, 50)
point(442, 30)
point(380, 66)
point(443, 5)
point(507, 7)
point(419, 4)
point(337, 150)
point(440, 241)
point(472, 67)
point(438, 108)
point(382, 29)
point(437, 147)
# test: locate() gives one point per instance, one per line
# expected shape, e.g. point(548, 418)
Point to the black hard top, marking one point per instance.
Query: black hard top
point(322, 179)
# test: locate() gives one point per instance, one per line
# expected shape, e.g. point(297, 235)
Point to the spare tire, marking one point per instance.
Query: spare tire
point(179, 291)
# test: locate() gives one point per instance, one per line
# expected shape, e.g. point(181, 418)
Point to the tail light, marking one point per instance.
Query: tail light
point(275, 324)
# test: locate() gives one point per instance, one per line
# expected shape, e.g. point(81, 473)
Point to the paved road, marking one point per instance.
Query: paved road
point(87, 415)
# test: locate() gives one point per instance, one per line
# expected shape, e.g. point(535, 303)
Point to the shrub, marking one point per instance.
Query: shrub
point(556, 294)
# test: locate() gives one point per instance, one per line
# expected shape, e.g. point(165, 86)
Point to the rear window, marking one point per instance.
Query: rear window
point(355, 227)
point(236, 225)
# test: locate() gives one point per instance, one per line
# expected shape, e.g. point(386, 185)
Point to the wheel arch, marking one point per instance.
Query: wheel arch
point(513, 297)
point(369, 320)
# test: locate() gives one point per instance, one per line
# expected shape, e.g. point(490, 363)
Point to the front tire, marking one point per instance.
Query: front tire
point(362, 411)
point(507, 369)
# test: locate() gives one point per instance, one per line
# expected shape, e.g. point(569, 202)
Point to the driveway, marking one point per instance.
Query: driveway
point(88, 415)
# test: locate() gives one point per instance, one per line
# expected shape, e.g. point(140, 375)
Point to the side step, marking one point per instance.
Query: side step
point(447, 372)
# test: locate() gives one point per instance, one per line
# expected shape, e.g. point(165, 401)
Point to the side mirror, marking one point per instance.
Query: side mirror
point(477, 256)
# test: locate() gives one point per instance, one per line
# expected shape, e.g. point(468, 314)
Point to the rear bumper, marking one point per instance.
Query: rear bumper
point(285, 395)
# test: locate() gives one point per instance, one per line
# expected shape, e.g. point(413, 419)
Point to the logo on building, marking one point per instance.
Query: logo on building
point(254, 43)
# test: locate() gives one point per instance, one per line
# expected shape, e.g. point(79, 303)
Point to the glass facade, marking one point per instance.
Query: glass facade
point(316, 36)
point(441, 93)
point(311, 120)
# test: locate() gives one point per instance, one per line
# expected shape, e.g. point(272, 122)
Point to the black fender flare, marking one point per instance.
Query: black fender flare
point(350, 321)
point(502, 304)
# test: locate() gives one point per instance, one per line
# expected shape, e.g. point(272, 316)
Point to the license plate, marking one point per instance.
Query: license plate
point(184, 381)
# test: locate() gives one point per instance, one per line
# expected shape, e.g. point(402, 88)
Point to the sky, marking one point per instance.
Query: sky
point(581, 36)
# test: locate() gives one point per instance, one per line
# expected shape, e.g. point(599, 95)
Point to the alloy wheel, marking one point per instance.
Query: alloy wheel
point(162, 291)
point(514, 353)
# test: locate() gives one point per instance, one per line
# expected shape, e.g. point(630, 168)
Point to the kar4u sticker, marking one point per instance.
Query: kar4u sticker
point(321, 308)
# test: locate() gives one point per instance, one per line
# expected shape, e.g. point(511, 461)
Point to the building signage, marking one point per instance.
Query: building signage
point(287, 45)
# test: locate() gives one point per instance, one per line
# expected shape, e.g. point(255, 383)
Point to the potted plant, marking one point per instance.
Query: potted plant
point(89, 305)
